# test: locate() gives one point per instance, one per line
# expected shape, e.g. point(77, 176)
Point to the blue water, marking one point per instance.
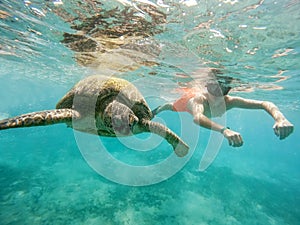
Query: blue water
point(44, 178)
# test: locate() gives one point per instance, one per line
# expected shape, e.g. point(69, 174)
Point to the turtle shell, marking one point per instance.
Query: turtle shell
point(98, 91)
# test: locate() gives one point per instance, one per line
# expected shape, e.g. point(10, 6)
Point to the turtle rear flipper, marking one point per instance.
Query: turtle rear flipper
point(42, 118)
point(179, 146)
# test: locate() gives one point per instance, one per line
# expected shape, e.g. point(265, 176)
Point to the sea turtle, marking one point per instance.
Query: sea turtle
point(102, 106)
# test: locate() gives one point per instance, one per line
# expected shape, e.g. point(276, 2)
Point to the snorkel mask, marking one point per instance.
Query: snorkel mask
point(217, 89)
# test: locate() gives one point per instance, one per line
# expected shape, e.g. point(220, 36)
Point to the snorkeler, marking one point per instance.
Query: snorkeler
point(214, 101)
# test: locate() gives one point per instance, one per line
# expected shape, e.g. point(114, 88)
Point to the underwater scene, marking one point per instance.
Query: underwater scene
point(51, 174)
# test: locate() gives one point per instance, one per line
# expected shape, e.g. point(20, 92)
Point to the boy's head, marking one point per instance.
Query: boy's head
point(218, 85)
point(217, 89)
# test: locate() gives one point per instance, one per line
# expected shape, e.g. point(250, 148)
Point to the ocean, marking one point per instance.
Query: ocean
point(55, 175)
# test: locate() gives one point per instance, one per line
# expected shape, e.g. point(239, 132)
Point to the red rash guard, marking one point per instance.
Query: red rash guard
point(180, 105)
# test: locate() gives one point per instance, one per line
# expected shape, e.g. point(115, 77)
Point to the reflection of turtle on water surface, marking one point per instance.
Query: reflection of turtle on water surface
point(106, 107)
point(118, 39)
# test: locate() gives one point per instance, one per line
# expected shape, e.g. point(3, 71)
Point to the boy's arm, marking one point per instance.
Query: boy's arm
point(234, 138)
point(282, 126)
point(167, 106)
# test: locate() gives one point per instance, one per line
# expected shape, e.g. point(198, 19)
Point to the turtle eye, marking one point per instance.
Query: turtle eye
point(132, 120)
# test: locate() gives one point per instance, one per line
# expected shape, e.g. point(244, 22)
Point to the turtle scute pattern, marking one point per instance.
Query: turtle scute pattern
point(100, 91)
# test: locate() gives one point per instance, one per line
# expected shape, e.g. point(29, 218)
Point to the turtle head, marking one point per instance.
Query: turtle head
point(119, 119)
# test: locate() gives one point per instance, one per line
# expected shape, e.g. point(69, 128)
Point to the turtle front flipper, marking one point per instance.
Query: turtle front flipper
point(179, 146)
point(41, 118)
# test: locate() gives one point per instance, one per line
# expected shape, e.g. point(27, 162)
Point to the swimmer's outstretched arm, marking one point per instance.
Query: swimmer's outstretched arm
point(234, 138)
point(167, 106)
point(282, 127)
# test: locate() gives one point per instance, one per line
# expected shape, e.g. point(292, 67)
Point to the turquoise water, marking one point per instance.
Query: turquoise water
point(46, 180)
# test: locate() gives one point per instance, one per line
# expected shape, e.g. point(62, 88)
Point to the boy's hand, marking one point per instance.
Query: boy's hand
point(234, 138)
point(283, 128)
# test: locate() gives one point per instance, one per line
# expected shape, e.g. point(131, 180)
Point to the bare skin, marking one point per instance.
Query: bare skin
point(202, 104)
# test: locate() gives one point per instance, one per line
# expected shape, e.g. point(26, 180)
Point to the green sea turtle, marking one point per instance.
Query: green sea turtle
point(105, 107)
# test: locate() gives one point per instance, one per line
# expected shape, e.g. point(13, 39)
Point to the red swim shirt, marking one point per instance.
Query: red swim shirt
point(180, 105)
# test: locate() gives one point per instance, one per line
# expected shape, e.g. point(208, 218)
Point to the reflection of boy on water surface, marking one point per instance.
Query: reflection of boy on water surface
point(214, 101)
